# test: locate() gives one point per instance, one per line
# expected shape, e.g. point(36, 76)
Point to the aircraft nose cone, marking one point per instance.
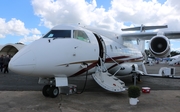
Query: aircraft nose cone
point(23, 63)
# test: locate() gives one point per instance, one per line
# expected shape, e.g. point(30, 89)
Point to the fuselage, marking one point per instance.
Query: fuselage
point(67, 50)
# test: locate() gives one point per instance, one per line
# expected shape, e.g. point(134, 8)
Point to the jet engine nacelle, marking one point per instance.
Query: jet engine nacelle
point(124, 69)
point(159, 46)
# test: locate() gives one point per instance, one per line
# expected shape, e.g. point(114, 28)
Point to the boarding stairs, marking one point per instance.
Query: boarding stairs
point(106, 80)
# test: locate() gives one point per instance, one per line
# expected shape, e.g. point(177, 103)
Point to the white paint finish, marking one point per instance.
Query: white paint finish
point(65, 55)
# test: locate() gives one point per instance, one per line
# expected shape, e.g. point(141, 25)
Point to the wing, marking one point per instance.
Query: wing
point(159, 44)
point(149, 35)
point(143, 28)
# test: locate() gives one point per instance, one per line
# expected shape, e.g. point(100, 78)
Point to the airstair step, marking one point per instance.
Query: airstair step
point(109, 82)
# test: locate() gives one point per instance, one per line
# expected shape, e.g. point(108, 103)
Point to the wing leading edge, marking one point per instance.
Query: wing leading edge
point(142, 35)
point(149, 35)
point(143, 28)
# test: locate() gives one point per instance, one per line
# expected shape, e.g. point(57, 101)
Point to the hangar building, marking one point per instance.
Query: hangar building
point(10, 49)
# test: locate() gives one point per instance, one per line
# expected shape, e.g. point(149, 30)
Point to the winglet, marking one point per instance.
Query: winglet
point(142, 28)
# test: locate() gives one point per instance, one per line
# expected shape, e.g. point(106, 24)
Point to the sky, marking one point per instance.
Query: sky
point(27, 20)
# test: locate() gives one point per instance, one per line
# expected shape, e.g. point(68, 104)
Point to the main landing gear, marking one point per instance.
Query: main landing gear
point(136, 78)
point(50, 91)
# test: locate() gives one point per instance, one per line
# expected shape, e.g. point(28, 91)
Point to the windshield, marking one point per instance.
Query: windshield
point(58, 34)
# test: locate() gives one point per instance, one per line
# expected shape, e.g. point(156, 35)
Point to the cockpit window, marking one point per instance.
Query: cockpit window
point(80, 35)
point(58, 34)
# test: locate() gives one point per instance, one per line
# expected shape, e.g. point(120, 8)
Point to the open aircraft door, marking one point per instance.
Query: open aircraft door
point(102, 76)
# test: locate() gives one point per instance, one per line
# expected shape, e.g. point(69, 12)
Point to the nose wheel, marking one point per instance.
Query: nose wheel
point(50, 91)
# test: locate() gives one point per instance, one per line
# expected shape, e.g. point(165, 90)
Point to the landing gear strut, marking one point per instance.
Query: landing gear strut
point(50, 91)
point(136, 77)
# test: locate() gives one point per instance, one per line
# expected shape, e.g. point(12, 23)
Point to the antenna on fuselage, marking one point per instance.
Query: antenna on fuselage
point(143, 28)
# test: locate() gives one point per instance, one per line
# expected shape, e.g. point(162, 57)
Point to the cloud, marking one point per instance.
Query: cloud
point(35, 34)
point(136, 12)
point(35, 31)
point(53, 12)
point(16, 27)
point(29, 39)
point(113, 18)
point(175, 49)
point(12, 27)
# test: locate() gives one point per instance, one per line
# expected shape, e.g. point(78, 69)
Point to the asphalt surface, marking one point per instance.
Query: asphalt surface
point(23, 93)
point(15, 82)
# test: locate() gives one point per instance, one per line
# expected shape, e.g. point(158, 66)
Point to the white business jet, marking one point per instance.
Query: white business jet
point(70, 50)
point(174, 60)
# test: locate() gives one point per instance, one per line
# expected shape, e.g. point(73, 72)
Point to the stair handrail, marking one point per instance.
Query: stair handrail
point(102, 65)
point(116, 63)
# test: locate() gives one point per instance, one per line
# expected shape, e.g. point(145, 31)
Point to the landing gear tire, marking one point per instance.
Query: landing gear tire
point(45, 90)
point(54, 92)
point(50, 91)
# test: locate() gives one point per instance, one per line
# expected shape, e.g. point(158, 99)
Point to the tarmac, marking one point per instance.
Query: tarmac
point(33, 101)
point(22, 94)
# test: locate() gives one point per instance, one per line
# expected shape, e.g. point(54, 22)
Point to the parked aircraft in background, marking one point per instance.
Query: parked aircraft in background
point(70, 50)
point(174, 60)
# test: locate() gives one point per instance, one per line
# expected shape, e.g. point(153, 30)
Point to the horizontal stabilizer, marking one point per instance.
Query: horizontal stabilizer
point(143, 28)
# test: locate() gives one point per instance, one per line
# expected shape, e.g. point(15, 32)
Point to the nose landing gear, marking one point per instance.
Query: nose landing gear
point(50, 91)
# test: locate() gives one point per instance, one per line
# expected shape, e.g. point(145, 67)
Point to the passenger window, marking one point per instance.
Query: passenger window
point(58, 34)
point(80, 35)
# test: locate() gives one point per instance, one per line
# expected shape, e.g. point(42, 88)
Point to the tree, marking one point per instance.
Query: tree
point(174, 53)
